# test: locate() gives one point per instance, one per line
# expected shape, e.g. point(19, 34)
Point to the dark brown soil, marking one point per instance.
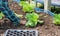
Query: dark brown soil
point(48, 29)
point(16, 8)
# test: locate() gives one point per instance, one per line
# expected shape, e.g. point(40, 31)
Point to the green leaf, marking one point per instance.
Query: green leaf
point(30, 24)
point(1, 15)
point(56, 19)
point(27, 7)
point(32, 19)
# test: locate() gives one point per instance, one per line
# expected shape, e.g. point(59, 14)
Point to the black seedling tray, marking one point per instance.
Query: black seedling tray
point(15, 32)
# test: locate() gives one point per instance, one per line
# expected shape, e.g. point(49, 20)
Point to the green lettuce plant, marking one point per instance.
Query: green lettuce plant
point(27, 7)
point(56, 19)
point(32, 19)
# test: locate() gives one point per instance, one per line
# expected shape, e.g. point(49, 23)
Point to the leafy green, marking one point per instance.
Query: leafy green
point(56, 19)
point(1, 15)
point(32, 16)
point(27, 7)
point(31, 24)
point(32, 19)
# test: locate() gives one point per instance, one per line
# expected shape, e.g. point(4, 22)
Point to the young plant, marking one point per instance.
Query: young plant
point(27, 7)
point(56, 19)
point(32, 19)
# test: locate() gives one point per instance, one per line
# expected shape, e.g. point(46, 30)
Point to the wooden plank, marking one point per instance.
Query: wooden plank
point(47, 4)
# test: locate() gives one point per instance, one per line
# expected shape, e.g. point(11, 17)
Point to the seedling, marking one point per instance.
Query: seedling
point(32, 19)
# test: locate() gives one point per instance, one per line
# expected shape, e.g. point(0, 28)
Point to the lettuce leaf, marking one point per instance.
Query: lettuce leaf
point(32, 19)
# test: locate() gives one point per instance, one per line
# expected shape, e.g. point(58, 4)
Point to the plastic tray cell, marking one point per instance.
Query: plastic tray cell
point(15, 32)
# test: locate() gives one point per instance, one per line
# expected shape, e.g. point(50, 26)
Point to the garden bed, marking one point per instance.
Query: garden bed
point(48, 29)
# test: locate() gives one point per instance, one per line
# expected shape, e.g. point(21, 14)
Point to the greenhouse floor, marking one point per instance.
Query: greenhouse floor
point(47, 29)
